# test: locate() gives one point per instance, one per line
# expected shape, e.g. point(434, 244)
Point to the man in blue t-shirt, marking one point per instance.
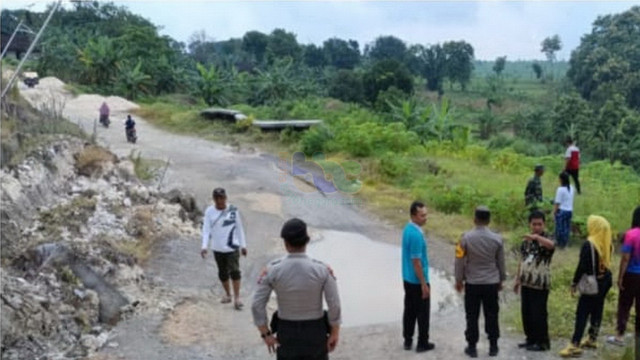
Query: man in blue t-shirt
point(415, 274)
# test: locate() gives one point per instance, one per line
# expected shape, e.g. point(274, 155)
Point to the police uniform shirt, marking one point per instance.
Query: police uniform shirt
point(299, 283)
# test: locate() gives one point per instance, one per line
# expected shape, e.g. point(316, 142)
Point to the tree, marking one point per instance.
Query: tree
point(434, 66)
point(607, 61)
point(131, 81)
point(281, 45)
point(572, 116)
point(341, 54)
point(255, 43)
point(385, 74)
point(498, 66)
point(549, 47)
point(537, 69)
point(459, 55)
point(387, 47)
point(211, 85)
point(314, 57)
point(100, 58)
point(346, 85)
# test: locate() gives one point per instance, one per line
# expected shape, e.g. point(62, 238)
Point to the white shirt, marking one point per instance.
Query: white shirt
point(564, 198)
point(227, 234)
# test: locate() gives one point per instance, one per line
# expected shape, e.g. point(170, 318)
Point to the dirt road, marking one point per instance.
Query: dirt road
point(198, 326)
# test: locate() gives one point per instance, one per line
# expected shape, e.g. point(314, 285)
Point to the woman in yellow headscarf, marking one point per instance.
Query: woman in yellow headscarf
point(597, 247)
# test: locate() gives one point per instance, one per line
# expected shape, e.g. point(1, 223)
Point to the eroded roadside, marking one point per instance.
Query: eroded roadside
point(193, 324)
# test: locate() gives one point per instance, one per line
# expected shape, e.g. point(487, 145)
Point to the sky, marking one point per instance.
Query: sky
point(494, 28)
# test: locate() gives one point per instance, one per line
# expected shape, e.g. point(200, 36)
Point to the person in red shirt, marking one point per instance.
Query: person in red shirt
point(572, 165)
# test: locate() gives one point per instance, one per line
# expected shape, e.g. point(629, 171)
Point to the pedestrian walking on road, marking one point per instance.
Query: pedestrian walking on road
point(480, 271)
point(300, 328)
point(222, 230)
point(415, 275)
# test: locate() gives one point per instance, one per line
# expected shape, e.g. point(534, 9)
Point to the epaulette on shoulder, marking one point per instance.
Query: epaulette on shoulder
point(275, 262)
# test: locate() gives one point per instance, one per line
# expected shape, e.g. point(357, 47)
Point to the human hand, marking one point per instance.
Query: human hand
point(271, 342)
point(516, 287)
point(530, 237)
point(244, 251)
point(620, 283)
point(332, 341)
point(203, 253)
point(500, 286)
point(459, 286)
point(426, 292)
point(573, 290)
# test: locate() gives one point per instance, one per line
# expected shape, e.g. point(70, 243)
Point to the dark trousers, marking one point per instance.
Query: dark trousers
point(574, 175)
point(487, 297)
point(415, 309)
point(591, 306)
point(631, 292)
point(302, 340)
point(534, 315)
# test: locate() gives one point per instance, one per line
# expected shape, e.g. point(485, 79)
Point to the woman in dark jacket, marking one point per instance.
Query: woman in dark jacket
point(598, 246)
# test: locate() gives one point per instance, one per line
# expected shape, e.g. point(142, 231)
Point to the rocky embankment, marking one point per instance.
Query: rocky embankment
point(76, 226)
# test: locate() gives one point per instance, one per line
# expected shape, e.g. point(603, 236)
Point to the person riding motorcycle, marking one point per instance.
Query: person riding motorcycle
point(130, 129)
point(104, 114)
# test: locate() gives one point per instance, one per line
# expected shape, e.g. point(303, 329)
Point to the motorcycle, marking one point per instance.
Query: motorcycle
point(131, 135)
point(104, 120)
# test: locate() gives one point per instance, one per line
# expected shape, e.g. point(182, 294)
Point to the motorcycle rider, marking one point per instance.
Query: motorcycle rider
point(104, 114)
point(129, 125)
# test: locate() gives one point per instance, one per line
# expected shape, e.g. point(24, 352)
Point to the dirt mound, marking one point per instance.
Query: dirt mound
point(52, 83)
point(92, 102)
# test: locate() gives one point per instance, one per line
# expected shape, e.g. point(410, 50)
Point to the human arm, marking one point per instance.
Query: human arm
point(460, 263)
point(417, 269)
point(259, 310)
point(500, 263)
point(584, 264)
point(240, 234)
point(332, 298)
point(543, 241)
point(206, 233)
point(627, 249)
point(516, 283)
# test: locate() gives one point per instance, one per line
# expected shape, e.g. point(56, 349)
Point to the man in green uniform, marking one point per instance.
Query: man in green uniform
point(533, 192)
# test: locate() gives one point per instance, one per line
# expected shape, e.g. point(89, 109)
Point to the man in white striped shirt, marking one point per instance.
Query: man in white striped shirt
point(222, 231)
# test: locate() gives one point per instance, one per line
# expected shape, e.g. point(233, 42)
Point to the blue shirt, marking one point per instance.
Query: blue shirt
point(414, 246)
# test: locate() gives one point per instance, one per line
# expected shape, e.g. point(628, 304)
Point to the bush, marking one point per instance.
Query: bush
point(315, 140)
point(394, 166)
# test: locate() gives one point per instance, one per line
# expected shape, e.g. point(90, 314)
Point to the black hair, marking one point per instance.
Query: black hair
point(537, 214)
point(483, 215)
point(568, 140)
point(564, 180)
point(415, 206)
point(294, 233)
point(635, 220)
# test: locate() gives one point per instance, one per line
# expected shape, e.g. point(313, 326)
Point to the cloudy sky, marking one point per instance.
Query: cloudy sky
point(494, 28)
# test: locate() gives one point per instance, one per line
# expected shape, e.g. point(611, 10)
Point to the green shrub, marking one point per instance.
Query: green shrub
point(394, 166)
point(315, 140)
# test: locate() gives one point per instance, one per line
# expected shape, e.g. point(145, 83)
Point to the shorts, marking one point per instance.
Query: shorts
point(228, 265)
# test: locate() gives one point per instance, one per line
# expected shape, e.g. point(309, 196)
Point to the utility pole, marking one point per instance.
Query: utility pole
point(31, 47)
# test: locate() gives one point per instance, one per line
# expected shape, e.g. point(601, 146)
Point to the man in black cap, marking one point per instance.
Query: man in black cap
point(480, 271)
point(303, 329)
point(222, 229)
point(533, 192)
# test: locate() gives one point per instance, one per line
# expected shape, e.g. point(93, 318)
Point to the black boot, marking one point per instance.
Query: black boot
point(493, 348)
point(471, 351)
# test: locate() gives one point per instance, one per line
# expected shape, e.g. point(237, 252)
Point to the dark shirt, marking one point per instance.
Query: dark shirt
point(585, 264)
point(129, 124)
point(533, 192)
point(535, 266)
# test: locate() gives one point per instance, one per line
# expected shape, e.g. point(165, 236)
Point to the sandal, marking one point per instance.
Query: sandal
point(615, 341)
point(238, 305)
point(225, 299)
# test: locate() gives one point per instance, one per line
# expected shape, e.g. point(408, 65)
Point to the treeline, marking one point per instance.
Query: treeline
point(109, 50)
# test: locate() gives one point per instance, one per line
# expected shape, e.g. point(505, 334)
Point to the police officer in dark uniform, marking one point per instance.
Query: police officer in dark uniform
point(300, 329)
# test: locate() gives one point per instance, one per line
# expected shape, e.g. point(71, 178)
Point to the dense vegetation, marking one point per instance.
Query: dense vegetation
point(425, 121)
